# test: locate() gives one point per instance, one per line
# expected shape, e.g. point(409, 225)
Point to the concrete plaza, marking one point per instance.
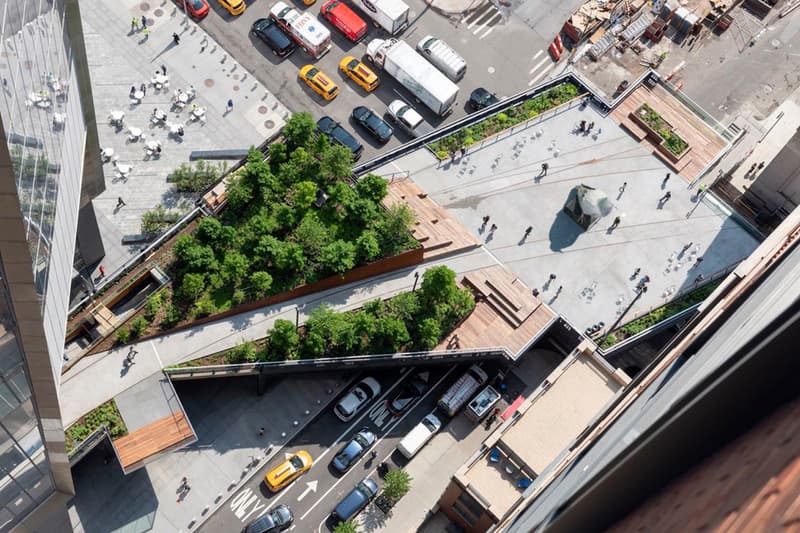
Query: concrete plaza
point(501, 177)
point(120, 58)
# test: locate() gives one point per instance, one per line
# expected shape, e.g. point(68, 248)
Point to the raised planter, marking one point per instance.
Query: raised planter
point(659, 131)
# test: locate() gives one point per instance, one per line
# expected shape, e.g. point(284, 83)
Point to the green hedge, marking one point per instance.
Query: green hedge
point(508, 118)
point(105, 415)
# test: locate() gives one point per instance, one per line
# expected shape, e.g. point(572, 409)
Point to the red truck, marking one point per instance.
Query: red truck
point(344, 19)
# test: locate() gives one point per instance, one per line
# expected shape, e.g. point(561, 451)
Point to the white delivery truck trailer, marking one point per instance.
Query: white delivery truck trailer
point(305, 30)
point(391, 15)
point(462, 390)
point(422, 79)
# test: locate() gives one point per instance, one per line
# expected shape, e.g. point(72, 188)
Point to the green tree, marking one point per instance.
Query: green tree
point(313, 345)
point(345, 527)
point(405, 306)
point(337, 163)
point(304, 194)
point(240, 194)
point(339, 256)
point(283, 340)
point(438, 286)
point(234, 267)
point(341, 199)
point(393, 229)
point(290, 257)
point(364, 328)
point(372, 187)
point(198, 258)
point(260, 283)
point(429, 334)
point(312, 235)
point(299, 130)
point(367, 247)
point(192, 286)
point(396, 484)
point(391, 333)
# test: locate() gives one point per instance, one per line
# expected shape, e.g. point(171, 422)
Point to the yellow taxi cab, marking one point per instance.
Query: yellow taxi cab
point(289, 470)
point(319, 82)
point(234, 7)
point(309, 2)
point(359, 73)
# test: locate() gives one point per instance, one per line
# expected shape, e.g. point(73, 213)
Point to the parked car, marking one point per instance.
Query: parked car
point(411, 390)
point(375, 125)
point(339, 135)
point(357, 71)
point(277, 519)
point(268, 31)
point(344, 19)
point(417, 437)
point(319, 82)
point(480, 98)
point(356, 398)
point(355, 501)
point(408, 119)
point(234, 7)
point(354, 449)
point(289, 470)
point(197, 9)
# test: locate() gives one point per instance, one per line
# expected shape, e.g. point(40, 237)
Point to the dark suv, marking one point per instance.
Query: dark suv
point(269, 32)
point(339, 135)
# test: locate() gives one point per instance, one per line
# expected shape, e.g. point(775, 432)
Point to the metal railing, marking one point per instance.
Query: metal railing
point(337, 363)
point(88, 444)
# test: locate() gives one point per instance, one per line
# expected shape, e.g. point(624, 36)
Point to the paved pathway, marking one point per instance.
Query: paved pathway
point(118, 59)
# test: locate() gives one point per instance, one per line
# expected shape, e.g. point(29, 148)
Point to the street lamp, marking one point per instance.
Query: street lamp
point(416, 279)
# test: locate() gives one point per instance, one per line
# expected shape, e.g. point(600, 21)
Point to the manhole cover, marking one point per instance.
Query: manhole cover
point(775, 43)
point(235, 87)
point(269, 124)
point(144, 6)
point(262, 109)
point(208, 82)
point(158, 12)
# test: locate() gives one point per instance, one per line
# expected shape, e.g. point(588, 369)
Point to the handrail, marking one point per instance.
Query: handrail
point(332, 363)
point(88, 444)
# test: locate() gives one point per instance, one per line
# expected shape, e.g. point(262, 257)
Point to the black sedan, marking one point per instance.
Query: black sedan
point(336, 133)
point(278, 519)
point(269, 32)
point(413, 389)
point(480, 98)
point(373, 123)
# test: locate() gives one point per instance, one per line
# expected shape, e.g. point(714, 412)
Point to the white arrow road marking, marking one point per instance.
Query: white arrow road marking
point(311, 486)
point(386, 433)
point(379, 414)
point(424, 376)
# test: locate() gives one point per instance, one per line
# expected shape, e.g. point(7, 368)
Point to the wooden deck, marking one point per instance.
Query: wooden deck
point(506, 313)
point(162, 435)
point(704, 141)
point(437, 231)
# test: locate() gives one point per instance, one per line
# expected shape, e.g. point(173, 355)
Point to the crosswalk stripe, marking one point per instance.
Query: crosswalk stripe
point(542, 73)
point(539, 64)
point(488, 23)
point(540, 52)
point(481, 17)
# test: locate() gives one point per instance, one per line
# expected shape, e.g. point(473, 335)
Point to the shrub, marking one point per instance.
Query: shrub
point(345, 527)
point(157, 220)
point(106, 415)
point(152, 306)
point(138, 326)
point(429, 334)
point(242, 353)
point(172, 315)
point(396, 484)
point(123, 335)
point(204, 306)
point(284, 340)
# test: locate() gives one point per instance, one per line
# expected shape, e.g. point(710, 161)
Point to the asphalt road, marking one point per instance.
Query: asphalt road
point(314, 495)
point(502, 56)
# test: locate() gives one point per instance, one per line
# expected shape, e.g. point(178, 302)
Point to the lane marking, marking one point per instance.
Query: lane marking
point(539, 64)
point(473, 17)
point(383, 437)
point(487, 12)
point(311, 486)
point(488, 21)
point(540, 52)
point(491, 26)
point(543, 73)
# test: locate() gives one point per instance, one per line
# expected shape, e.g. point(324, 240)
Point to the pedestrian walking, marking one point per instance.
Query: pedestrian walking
point(559, 289)
point(616, 222)
point(760, 165)
point(528, 231)
point(485, 220)
point(666, 197)
point(452, 156)
point(535, 291)
point(463, 151)
point(622, 189)
point(583, 126)
point(143, 88)
point(133, 90)
point(176, 38)
point(494, 227)
point(134, 24)
point(545, 168)
point(120, 202)
point(132, 352)
point(552, 277)
point(260, 432)
point(636, 272)
point(699, 278)
point(686, 247)
point(230, 105)
point(664, 182)
point(146, 33)
point(591, 126)
point(164, 70)
point(102, 270)
point(698, 261)
point(144, 22)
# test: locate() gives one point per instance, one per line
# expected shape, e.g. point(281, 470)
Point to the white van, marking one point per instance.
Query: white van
point(442, 57)
point(417, 437)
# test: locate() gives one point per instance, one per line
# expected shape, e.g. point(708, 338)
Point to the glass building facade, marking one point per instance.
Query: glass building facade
point(41, 166)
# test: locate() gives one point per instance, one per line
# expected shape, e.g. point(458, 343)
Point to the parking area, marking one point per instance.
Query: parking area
point(596, 271)
point(504, 56)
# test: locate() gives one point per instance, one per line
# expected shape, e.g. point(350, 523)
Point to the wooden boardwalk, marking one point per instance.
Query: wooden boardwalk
point(704, 141)
point(506, 313)
point(160, 436)
point(437, 231)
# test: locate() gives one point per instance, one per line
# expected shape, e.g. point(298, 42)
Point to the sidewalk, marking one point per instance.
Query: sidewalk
point(226, 415)
point(120, 58)
point(98, 378)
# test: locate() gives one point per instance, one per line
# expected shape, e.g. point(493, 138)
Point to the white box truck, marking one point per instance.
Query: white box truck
point(391, 15)
point(304, 29)
point(462, 390)
point(422, 79)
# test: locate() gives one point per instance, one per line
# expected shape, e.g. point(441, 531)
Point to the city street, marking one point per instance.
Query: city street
point(480, 36)
point(314, 495)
